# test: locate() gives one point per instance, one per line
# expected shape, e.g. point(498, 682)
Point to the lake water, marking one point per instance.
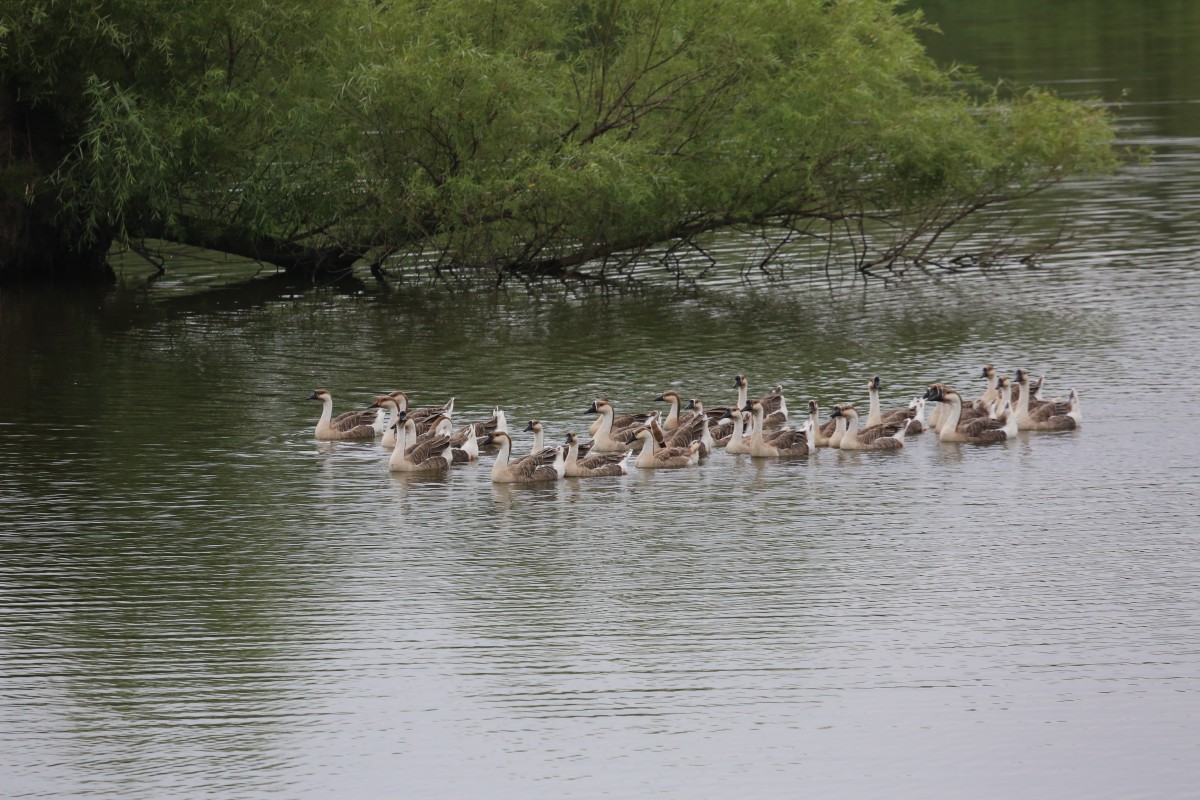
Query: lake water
point(199, 600)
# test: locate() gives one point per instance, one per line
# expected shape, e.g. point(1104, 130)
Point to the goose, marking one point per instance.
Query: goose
point(497, 422)
point(839, 427)
point(654, 456)
point(536, 426)
point(982, 430)
point(717, 420)
point(351, 426)
point(917, 406)
point(774, 405)
point(877, 417)
point(433, 455)
point(822, 435)
point(548, 465)
point(782, 443)
point(601, 465)
point(695, 429)
point(608, 439)
point(675, 417)
point(875, 437)
point(993, 385)
point(618, 423)
point(1048, 415)
point(422, 412)
point(738, 441)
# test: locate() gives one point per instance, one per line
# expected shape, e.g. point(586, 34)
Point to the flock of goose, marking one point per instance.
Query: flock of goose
point(425, 440)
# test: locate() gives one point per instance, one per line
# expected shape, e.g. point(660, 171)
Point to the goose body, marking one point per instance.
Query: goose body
point(981, 430)
point(351, 426)
point(874, 437)
point(600, 465)
point(654, 456)
point(542, 467)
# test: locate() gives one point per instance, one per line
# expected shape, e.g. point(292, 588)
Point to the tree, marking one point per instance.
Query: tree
point(546, 138)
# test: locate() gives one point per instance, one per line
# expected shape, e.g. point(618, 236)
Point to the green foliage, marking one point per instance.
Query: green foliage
point(529, 135)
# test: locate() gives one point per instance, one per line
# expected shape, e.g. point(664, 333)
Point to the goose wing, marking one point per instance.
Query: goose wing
point(353, 419)
point(423, 451)
point(601, 460)
point(876, 432)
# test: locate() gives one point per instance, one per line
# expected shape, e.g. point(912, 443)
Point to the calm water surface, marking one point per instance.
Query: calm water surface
point(201, 601)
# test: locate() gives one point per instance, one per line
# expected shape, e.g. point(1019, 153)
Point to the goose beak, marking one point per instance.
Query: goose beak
point(489, 439)
point(984, 375)
point(313, 396)
point(661, 398)
point(875, 382)
point(933, 393)
point(592, 409)
point(528, 428)
point(747, 407)
point(691, 405)
point(837, 412)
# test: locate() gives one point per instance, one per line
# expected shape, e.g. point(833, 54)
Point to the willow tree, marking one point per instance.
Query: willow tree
point(549, 137)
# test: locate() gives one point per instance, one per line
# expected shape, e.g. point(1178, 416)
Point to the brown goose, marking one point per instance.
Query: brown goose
point(774, 405)
point(822, 435)
point(600, 465)
point(675, 417)
point(432, 455)
point(875, 437)
point(351, 426)
point(1050, 415)
point(543, 467)
point(654, 456)
point(608, 438)
point(992, 393)
point(537, 448)
point(981, 430)
point(877, 417)
point(781, 443)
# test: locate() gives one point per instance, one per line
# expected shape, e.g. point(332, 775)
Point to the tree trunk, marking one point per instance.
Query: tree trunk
point(38, 242)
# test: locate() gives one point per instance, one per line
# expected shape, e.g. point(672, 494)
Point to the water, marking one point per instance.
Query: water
point(199, 600)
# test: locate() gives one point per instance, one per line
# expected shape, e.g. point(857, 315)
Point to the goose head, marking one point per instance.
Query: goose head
point(844, 410)
point(385, 401)
point(640, 435)
point(669, 397)
point(753, 406)
point(935, 393)
point(988, 371)
point(874, 384)
point(572, 438)
point(1022, 377)
point(695, 405)
point(401, 399)
point(598, 407)
point(813, 408)
point(497, 438)
point(739, 381)
point(320, 394)
point(534, 425)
